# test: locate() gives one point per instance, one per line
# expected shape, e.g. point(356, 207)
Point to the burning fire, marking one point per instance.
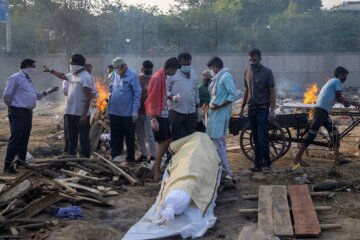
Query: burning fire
point(311, 93)
point(103, 96)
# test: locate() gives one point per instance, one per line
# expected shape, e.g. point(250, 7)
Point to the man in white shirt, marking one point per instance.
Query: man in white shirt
point(80, 93)
point(183, 96)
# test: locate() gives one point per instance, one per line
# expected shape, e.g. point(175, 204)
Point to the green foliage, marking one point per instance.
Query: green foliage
point(104, 26)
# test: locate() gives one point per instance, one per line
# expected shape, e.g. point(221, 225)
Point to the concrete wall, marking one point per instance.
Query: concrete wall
point(292, 71)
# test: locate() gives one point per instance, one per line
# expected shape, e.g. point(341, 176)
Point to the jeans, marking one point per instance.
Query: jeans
point(182, 125)
point(20, 120)
point(144, 134)
point(259, 124)
point(74, 131)
point(122, 127)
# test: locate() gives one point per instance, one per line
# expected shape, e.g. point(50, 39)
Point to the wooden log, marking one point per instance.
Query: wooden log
point(127, 176)
point(7, 178)
point(313, 194)
point(80, 176)
point(254, 210)
point(40, 205)
point(79, 166)
point(104, 125)
point(97, 167)
point(19, 190)
point(330, 226)
point(306, 223)
point(66, 160)
point(37, 225)
point(79, 198)
point(2, 187)
point(8, 207)
point(20, 211)
point(64, 185)
point(274, 215)
point(55, 134)
point(78, 186)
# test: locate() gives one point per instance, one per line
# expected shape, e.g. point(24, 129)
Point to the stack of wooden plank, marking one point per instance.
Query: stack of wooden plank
point(279, 217)
point(49, 181)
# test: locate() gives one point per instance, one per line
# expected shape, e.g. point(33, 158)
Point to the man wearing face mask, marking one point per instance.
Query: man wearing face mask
point(144, 131)
point(204, 96)
point(223, 94)
point(184, 102)
point(156, 108)
point(330, 94)
point(259, 96)
point(20, 97)
point(80, 91)
point(124, 103)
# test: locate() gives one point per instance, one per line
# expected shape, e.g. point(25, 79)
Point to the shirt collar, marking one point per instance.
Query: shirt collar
point(25, 75)
point(257, 69)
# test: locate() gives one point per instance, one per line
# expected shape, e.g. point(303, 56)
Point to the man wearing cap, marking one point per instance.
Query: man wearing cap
point(20, 98)
point(124, 103)
point(204, 96)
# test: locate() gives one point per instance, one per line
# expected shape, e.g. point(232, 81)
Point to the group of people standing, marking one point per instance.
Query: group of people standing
point(162, 106)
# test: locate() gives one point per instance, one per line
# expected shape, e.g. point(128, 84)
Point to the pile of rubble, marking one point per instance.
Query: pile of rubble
point(49, 181)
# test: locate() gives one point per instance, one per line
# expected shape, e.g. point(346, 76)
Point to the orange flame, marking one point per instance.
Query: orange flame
point(311, 93)
point(103, 96)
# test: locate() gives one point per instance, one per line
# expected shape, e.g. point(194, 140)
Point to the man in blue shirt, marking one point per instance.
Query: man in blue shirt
point(124, 103)
point(328, 96)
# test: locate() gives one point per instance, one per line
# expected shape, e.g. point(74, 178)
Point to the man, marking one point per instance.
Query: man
point(204, 96)
point(109, 74)
point(184, 100)
point(157, 109)
point(124, 103)
point(223, 94)
point(20, 98)
point(144, 131)
point(259, 96)
point(88, 68)
point(328, 96)
point(80, 93)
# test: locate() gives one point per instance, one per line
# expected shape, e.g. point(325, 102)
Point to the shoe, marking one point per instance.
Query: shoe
point(142, 158)
point(255, 169)
point(228, 177)
point(118, 158)
point(266, 170)
point(151, 158)
point(9, 169)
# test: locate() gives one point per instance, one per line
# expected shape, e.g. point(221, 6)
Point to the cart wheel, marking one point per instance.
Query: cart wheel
point(287, 140)
point(277, 142)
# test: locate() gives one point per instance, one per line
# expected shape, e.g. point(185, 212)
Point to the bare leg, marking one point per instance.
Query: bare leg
point(161, 149)
point(298, 157)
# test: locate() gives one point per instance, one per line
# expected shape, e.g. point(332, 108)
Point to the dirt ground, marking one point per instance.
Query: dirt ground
point(104, 223)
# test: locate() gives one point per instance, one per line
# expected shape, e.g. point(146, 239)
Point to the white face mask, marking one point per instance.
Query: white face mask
point(212, 73)
point(29, 71)
point(75, 68)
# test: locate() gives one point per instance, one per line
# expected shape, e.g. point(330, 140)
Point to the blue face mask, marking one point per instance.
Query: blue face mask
point(185, 69)
point(117, 71)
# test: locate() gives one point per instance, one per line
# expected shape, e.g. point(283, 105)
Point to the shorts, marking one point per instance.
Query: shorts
point(164, 130)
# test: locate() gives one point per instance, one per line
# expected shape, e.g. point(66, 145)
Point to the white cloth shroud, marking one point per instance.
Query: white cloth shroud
point(178, 215)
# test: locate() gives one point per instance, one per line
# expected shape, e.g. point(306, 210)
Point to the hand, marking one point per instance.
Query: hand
point(135, 117)
point(272, 116)
point(198, 113)
point(46, 69)
point(241, 113)
point(176, 98)
point(83, 120)
point(51, 90)
point(154, 124)
point(214, 106)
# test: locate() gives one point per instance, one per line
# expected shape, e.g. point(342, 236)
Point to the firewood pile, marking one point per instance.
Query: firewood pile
point(99, 125)
point(49, 181)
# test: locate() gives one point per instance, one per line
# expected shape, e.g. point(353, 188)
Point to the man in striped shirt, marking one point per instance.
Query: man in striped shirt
point(20, 97)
